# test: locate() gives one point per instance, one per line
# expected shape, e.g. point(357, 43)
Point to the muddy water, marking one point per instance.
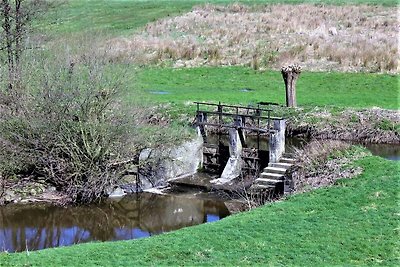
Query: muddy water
point(33, 227)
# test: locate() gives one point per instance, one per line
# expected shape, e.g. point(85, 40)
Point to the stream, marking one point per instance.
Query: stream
point(27, 227)
point(33, 227)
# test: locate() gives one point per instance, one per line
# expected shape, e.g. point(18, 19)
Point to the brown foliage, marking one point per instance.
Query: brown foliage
point(369, 126)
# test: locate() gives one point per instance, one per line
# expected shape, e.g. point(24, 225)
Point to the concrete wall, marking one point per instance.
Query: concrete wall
point(277, 141)
point(161, 164)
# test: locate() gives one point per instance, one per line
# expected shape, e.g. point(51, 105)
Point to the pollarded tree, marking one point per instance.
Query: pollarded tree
point(290, 75)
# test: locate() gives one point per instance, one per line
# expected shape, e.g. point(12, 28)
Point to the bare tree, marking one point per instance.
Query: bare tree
point(15, 19)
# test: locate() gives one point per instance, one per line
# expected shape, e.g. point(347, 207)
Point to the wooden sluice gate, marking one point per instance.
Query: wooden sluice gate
point(227, 152)
point(237, 121)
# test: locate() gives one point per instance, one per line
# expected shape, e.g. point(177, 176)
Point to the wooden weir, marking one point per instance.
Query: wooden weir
point(245, 120)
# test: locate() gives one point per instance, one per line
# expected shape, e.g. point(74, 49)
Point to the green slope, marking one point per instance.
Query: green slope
point(124, 16)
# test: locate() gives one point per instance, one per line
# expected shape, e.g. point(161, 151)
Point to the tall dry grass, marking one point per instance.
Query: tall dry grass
point(345, 38)
point(321, 163)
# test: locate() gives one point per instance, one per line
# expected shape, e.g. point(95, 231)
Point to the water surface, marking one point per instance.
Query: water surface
point(33, 227)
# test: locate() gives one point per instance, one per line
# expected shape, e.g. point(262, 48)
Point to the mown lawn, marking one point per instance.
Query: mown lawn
point(355, 222)
point(246, 86)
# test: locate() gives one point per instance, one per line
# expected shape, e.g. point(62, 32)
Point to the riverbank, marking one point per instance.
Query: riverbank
point(352, 222)
point(375, 125)
point(25, 190)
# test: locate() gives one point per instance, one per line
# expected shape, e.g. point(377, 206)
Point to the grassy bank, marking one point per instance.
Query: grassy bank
point(352, 223)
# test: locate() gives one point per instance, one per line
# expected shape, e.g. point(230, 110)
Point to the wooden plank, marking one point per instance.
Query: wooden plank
point(261, 130)
point(231, 106)
point(239, 115)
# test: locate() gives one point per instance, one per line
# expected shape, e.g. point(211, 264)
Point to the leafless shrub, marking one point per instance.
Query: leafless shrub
point(349, 38)
point(258, 199)
point(321, 163)
point(15, 19)
point(249, 199)
point(68, 129)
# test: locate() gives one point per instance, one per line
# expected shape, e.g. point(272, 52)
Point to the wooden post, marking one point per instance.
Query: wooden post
point(238, 122)
point(290, 75)
point(202, 117)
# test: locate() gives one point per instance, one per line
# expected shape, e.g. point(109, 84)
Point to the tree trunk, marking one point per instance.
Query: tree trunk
point(18, 41)
point(290, 75)
point(6, 25)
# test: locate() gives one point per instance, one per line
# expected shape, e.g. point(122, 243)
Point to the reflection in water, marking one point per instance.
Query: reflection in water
point(391, 152)
point(35, 227)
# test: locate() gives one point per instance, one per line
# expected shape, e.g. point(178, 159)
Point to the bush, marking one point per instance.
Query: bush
point(67, 128)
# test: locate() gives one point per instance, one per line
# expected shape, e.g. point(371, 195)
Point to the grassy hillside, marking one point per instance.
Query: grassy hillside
point(355, 38)
point(124, 16)
point(352, 223)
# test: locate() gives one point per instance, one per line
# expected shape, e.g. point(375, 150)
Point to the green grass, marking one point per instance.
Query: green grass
point(355, 222)
point(115, 16)
point(358, 90)
point(125, 16)
point(122, 17)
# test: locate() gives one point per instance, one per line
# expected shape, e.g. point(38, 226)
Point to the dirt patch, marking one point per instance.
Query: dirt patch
point(29, 190)
point(318, 37)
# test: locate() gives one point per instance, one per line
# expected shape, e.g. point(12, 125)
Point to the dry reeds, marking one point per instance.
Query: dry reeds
point(345, 38)
point(368, 126)
point(321, 163)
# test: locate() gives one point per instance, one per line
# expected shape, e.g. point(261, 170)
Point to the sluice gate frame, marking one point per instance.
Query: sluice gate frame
point(238, 120)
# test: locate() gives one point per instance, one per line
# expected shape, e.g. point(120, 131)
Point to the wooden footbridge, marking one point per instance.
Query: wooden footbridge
point(239, 158)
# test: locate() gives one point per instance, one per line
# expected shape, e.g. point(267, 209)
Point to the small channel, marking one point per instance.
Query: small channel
point(390, 152)
point(34, 227)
